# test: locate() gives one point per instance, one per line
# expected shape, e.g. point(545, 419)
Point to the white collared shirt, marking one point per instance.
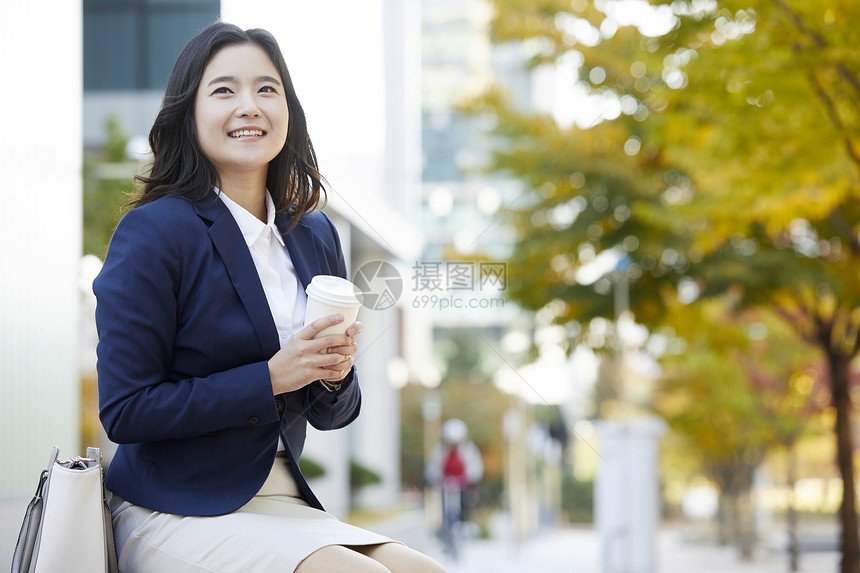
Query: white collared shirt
point(287, 300)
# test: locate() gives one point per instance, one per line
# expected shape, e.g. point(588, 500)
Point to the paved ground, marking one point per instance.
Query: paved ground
point(577, 550)
point(569, 550)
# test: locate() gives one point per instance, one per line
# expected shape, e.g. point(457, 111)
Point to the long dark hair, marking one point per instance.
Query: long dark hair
point(181, 168)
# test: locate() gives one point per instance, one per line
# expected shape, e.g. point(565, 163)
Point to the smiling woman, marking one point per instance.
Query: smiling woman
point(207, 374)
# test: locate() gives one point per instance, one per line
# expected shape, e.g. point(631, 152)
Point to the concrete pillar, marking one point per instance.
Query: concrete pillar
point(40, 230)
point(627, 494)
point(520, 497)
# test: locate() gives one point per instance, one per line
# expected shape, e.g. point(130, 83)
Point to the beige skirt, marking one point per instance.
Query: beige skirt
point(273, 532)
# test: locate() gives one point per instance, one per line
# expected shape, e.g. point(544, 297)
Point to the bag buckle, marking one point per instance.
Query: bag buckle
point(77, 462)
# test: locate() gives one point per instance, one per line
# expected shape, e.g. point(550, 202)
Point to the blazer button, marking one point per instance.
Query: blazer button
point(279, 405)
point(253, 420)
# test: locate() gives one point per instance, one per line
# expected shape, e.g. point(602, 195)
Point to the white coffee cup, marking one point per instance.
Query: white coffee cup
point(327, 295)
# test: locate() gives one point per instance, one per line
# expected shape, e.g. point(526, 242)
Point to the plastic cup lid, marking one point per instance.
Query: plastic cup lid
point(333, 290)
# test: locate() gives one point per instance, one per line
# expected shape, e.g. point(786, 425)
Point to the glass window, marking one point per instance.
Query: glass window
point(132, 44)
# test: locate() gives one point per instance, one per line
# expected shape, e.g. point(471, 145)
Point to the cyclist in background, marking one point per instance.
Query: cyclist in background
point(456, 468)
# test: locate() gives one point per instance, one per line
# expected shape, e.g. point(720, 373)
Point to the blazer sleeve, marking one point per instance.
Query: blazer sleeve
point(327, 410)
point(140, 400)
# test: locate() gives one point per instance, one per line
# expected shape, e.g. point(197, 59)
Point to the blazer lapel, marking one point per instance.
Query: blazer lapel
point(230, 244)
point(300, 244)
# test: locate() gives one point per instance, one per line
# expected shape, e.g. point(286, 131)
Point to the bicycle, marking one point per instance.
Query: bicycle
point(452, 510)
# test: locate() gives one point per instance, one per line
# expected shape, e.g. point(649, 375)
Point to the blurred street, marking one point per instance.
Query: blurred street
point(576, 550)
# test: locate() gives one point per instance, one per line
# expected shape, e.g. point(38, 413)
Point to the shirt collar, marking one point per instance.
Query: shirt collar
point(251, 226)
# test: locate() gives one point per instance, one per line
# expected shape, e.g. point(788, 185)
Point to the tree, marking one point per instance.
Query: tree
point(733, 166)
point(742, 388)
point(106, 191)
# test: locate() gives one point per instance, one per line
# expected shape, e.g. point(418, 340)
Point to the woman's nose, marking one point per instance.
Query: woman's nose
point(247, 106)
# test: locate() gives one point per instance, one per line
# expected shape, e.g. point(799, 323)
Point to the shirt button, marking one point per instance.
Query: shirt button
point(279, 405)
point(253, 420)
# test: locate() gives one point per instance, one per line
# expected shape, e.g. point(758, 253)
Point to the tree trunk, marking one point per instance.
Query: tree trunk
point(793, 557)
point(746, 535)
point(724, 518)
point(744, 525)
point(847, 512)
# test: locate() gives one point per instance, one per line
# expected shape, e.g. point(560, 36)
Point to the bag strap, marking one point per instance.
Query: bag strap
point(52, 461)
point(29, 528)
point(55, 455)
point(110, 546)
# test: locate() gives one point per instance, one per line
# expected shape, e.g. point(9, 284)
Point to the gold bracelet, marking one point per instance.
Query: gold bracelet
point(331, 386)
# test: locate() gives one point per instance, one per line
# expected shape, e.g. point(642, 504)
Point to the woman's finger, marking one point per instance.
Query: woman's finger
point(339, 371)
point(344, 349)
point(320, 324)
point(355, 328)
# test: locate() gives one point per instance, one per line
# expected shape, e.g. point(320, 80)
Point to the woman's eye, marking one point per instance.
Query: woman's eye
point(268, 89)
point(222, 90)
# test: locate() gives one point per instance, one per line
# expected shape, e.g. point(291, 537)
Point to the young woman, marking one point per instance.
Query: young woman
point(207, 376)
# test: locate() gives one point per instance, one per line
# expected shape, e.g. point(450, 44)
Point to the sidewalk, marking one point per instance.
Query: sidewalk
point(577, 550)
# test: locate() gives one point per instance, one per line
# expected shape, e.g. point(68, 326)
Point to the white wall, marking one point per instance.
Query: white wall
point(334, 51)
point(40, 234)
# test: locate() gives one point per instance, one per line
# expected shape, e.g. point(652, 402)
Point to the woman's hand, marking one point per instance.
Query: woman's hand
point(339, 370)
point(304, 359)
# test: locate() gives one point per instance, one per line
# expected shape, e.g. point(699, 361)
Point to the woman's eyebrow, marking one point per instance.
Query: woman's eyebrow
point(225, 79)
point(222, 79)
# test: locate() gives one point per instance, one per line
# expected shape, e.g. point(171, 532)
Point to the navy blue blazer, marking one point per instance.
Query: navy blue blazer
point(185, 334)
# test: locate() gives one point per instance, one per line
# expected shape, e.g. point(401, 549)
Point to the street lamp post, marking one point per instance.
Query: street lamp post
point(431, 412)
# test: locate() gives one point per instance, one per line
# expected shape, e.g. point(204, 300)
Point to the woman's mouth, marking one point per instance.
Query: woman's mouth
point(246, 133)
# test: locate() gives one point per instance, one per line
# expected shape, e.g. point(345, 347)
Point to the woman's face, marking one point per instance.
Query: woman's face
point(241, 111)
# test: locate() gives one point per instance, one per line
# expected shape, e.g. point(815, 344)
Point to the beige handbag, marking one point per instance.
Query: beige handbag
point(67, 526)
